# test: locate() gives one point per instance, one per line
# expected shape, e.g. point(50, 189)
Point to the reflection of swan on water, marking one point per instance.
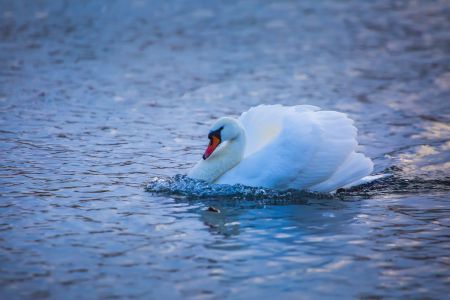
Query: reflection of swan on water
point(309, 216)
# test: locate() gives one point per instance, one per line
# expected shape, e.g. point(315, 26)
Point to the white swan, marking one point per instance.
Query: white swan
point(274, 146)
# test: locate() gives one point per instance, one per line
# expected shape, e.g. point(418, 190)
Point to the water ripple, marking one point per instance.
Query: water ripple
point(192, 188)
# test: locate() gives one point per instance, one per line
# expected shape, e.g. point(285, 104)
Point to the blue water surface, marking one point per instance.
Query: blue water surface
point(104, 105)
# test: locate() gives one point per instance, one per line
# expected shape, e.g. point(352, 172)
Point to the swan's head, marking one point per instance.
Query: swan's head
point(225, 129)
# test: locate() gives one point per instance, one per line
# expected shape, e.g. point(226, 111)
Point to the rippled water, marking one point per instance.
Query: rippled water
point(100, 99)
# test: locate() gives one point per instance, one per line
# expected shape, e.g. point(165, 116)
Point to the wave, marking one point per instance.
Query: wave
point(183, 186)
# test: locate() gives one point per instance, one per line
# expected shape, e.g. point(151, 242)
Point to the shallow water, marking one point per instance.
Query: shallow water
point(97, 100)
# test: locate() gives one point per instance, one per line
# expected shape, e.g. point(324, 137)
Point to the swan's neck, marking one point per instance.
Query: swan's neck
point(222, 160)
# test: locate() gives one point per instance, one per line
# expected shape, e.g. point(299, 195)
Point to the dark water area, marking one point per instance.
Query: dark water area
point(101, 99)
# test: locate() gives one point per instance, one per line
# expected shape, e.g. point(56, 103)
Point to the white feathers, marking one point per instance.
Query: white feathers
point(298, 147)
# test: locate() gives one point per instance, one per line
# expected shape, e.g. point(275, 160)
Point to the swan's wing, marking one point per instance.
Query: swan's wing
point(277, 163)
point(312, 150)
point(337, 145)
point(343, 165)
point(264, 122)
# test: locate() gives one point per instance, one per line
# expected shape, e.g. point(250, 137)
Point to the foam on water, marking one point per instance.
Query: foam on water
point(181, 185)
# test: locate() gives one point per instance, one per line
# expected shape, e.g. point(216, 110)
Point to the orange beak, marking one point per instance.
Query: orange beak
point(214, 141)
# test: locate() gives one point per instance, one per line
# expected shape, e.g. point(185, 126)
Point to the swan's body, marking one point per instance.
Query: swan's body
point(274, 146)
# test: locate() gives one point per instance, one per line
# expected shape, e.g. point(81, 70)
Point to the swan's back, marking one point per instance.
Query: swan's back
point(298, 147)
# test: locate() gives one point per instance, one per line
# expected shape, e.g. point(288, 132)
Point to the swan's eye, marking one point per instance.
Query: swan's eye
point(215, 133)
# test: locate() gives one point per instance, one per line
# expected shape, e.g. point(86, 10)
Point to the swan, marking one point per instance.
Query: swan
point(284, 147)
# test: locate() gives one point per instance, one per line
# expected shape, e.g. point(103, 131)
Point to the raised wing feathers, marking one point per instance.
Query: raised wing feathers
point(298, 147)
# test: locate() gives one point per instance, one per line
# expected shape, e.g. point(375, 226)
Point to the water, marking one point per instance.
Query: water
point(99, 100)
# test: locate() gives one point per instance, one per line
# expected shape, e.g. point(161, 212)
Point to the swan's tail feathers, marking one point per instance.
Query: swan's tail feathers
point(351, 171)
